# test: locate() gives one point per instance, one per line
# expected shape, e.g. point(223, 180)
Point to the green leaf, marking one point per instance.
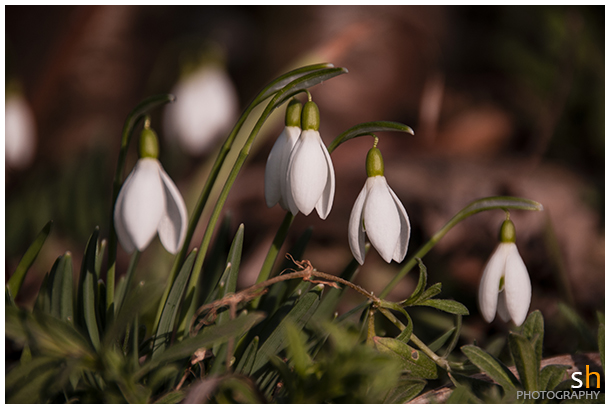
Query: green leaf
point(440, 341)
point(525, 360)
point(450, 306)
point(43, 300)
point(62, 302)
point(551, 376)
point(247, 359)
point(456, 336)
point(16, 280)
point(432, 291)
point(168, 317)
point(412, 360)
point(30, 383)
point(229, 279)
point(405, 334)
point(297, 350)
point(216, 262)
point(495, 369)
point(304, 82)
point(406, 390)
point(533, 330)
point(205, 339)
point(298, 316)
point(137, 301)
point(87, 301)
point(283, 80)
point(45, 333)
point(171, 398)
point(366, 129)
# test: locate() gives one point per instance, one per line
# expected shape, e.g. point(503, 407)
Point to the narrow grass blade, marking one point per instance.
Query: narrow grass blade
point(168, 317)
point(87, 294)
point(298, 316)
point(16, 280)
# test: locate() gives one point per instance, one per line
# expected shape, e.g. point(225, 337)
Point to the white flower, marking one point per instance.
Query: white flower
point(378, 212)
point(311, 176)
point(505, 286)
point(277, 167)
point(19, 132)
point(205, 109)
point(149, 202)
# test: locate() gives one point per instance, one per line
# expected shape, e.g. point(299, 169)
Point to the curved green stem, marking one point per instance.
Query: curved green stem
point(132, 120)
point(481, 205)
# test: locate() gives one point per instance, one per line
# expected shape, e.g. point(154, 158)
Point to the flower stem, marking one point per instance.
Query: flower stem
point(278, 241)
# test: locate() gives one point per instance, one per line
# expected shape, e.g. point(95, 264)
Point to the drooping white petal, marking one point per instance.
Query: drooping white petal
point(173, 224)
point(517, 285)
point(277, 167)
point(490, 282)
point(381, 219)
point(325, 203)
point(143, 203)
point(355, 230)
point(405, 229)
point(292, 136)
point(119, 224)
point(308, 172)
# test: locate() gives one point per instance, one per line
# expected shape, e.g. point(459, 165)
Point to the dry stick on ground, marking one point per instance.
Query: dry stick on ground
point(306, 273)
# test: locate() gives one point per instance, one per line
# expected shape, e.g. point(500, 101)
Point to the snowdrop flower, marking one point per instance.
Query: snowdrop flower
point(505, 285)
point(205, 109)
point(277, 162)
point(149, 203)
point(379, 213)
point(19, 132)
point(311, 176)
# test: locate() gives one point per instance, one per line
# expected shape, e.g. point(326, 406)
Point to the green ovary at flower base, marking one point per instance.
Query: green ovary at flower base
point(505, 285)
point(378, 212)
point(149, 203)
point(310, 180)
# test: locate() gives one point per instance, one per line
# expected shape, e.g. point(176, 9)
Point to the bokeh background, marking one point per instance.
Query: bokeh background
point(503, 101)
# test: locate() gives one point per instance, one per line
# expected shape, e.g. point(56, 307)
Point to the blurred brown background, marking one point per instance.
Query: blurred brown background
point(503, 101)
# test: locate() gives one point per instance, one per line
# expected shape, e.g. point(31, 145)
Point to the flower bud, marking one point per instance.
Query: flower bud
point(507, 232)
point(149, 144)
point(293, 113)
point(374, 163)
point(310, 118)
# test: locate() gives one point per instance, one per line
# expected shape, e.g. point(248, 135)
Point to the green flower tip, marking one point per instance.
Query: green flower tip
point(293, 113)
point(310, 118)
point(374, 163)
point(508, 233)
point(149, 144)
